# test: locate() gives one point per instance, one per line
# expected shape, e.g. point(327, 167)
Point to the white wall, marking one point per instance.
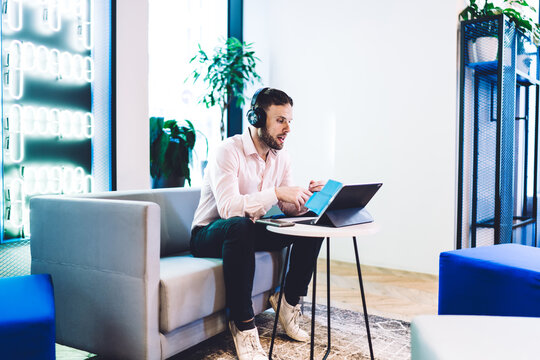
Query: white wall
point(375, 100)
point(133, 139)
point(374, 86)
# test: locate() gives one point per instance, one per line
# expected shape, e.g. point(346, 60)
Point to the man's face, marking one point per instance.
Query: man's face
point(278, 119)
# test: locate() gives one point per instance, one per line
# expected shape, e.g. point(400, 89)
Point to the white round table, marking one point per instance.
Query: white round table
point(324, 232)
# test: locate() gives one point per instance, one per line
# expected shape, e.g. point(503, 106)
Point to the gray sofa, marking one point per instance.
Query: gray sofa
point(125, 284)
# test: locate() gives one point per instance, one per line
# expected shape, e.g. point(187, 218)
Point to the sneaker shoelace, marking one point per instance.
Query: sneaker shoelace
point(295, 319)
point(249, 341)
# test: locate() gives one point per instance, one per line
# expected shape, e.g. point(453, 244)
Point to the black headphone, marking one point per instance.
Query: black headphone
point(256, 115)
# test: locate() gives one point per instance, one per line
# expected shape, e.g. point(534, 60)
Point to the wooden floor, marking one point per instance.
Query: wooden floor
point(390, 293)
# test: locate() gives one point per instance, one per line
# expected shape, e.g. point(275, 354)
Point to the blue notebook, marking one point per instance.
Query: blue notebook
point(319, 201)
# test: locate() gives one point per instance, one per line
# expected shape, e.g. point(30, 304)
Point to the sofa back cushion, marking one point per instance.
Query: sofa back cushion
point(177, 206)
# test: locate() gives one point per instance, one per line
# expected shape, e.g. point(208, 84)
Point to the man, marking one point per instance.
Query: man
point(249, 174)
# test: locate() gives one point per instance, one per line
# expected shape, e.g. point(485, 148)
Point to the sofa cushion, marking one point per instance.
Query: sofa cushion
point(192, 288)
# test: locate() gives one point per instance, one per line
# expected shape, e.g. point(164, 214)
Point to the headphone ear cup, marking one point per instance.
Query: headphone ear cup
point(252, 117)
point(261, 117)
point(256, 115)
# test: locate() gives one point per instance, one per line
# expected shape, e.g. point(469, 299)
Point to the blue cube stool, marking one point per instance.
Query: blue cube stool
point(27, 329)
point(491, 280)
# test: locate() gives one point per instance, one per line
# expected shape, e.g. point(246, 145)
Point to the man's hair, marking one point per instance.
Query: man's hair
point(271, 97)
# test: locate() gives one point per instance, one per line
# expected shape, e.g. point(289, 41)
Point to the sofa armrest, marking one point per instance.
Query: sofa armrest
point(103, 256)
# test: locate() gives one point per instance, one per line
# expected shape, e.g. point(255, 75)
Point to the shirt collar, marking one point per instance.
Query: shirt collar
point(249, 146)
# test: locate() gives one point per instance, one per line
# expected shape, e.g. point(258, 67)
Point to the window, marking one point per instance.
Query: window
point(175, 30)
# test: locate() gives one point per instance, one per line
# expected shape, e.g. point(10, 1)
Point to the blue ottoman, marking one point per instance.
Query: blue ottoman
point(27, 329)
point(492, 280)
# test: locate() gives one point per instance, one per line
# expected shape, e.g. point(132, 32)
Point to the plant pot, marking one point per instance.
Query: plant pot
point(523, 63)
point(168, 182)
point(486, 49)
point(471, 47)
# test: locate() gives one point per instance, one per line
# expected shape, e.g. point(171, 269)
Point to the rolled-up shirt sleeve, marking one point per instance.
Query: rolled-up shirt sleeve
point(225, 186)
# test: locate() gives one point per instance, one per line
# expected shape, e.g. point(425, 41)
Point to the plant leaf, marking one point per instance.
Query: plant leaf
point(226, 73)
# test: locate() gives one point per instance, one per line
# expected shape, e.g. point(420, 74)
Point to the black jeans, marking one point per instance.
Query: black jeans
point(236, 240)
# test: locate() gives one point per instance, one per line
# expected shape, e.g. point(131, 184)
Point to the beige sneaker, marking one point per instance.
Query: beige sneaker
point(248, 346)
point(289, 318)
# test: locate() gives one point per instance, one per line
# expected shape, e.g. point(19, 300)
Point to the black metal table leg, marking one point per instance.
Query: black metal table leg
point(363, 297)
point(314, 302)
point(281, 288)
point(328, 296)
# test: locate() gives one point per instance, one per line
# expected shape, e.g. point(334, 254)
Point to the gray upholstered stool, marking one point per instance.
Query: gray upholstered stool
point(468, 337)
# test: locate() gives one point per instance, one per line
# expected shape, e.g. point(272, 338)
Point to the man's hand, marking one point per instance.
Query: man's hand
point(294, 195)
point(315, 186)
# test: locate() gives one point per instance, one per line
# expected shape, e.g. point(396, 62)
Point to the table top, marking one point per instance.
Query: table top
point(325, 231)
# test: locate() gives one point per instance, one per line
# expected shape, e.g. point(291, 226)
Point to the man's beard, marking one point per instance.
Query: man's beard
point(269, 140)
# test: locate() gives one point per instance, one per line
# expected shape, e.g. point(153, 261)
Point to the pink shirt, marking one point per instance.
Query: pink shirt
point(238, 182)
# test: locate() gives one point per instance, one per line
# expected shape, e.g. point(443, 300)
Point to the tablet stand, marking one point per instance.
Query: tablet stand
point(345, 217)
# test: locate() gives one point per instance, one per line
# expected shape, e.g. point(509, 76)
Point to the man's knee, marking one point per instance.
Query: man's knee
point(240, 230)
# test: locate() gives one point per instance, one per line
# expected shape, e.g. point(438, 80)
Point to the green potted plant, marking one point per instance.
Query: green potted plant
point(171, 145)
point(226, 73)
point(484, 48)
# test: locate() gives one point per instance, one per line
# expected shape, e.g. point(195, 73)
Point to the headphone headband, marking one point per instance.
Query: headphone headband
point(254, 98)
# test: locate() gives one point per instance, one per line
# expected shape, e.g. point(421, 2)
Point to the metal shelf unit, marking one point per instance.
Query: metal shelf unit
point(498, 135)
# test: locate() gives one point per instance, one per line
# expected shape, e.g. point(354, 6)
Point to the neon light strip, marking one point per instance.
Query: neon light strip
point(44, 180)
point(88, 69)
point(14, 14)
point(40, 121)
point(52, 122)
point(40, 56)
point(56, 180)
point(16, 137)
point(87, 24)
point(14, 74)
point(26, 56)
point(53, 62)
point(53, 20)
point(17, 195)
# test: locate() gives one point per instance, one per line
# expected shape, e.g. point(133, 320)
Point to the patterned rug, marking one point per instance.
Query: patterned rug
point(391, 339)
point(349, 340)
